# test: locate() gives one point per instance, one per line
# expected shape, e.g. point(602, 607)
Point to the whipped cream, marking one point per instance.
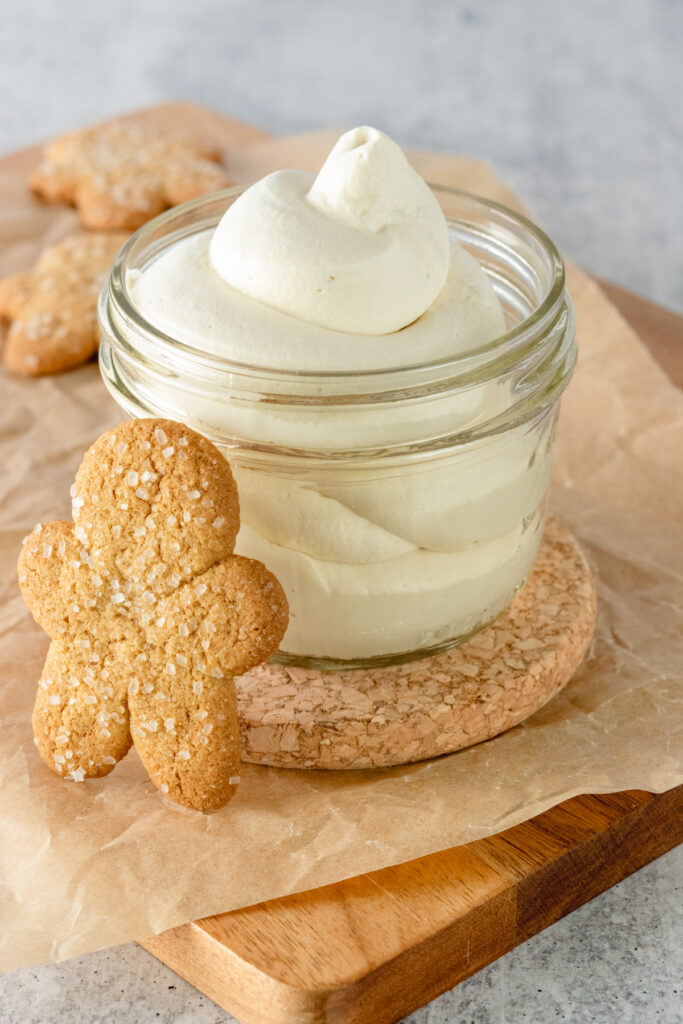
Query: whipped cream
point(413, 602)
point(353, 272)
point(181, 294)
point(363, 248)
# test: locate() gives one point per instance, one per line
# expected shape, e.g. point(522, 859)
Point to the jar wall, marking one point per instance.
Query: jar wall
point(391, 560)
point(401, 509)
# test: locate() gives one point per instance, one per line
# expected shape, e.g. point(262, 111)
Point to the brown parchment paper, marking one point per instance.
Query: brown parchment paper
point(90, 865)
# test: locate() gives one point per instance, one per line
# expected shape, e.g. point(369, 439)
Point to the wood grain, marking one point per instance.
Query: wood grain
point(661, 329)
point(372, 949)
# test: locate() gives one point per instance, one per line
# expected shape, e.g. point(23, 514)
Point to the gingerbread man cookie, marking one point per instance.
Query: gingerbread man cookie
point(120, 175)
point(150, 615)
point(52, 309)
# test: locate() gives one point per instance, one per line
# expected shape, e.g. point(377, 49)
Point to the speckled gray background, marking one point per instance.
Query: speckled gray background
point(579, 106)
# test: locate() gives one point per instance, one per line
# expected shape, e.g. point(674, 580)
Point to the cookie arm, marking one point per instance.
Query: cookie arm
point(43, 566)
point(207, 176)
point(80, 717)
point(241, 613)
point(261, 610)
point(236, 612)
point(51, 182)
point(15, 292)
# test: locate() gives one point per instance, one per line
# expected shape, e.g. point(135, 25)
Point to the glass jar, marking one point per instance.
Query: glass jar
point(400, 509)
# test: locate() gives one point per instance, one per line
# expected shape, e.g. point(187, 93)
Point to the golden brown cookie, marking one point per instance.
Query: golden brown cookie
point(150, 614)
point(119, 175)
point(52, 308)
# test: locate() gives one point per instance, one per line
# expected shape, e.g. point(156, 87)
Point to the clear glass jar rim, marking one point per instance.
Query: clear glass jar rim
point(498, 348)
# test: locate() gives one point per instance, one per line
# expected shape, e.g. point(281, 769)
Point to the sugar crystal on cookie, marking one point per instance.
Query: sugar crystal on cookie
point(51, 309)
point(119, 174)
point(146, 616)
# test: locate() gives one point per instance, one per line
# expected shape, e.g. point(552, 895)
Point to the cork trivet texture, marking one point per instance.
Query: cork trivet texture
point(306, 718)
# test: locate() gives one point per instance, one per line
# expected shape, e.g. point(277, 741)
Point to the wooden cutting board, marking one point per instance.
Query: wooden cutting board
point(371, 949)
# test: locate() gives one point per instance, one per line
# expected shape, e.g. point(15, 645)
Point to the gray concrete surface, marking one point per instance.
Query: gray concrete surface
point(579, 106)
point(617, 960)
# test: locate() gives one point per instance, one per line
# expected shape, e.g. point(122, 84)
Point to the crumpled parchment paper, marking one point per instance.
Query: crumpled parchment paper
point(90, 865)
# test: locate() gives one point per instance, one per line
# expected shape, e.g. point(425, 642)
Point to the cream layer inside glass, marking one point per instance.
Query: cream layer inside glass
point(377, 556)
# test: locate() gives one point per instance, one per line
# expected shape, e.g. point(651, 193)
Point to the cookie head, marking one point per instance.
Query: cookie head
point(155, 504)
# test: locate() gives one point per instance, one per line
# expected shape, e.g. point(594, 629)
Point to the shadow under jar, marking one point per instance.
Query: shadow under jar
point(400, 509)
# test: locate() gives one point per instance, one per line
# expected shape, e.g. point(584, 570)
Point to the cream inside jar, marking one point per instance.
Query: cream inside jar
point(395, 482)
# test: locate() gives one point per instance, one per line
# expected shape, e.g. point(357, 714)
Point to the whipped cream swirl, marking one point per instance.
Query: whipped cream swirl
point(354, 271)
point(363, 248)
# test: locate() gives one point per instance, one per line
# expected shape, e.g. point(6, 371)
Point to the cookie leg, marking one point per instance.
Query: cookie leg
point(186, 732)
point(80, 720)
point(52, 184)
point(51, 345)
point(118, 205)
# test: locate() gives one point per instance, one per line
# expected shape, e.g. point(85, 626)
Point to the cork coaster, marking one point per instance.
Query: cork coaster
point(306, 718)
